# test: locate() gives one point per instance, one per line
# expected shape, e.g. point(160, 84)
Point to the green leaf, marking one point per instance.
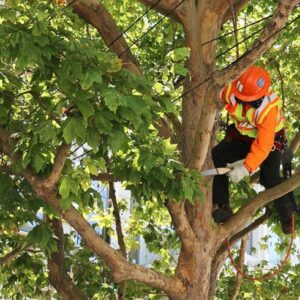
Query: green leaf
point(38, 162)
point(42, 236)
point(117, 140)
point(65, 187)
point(113, 99)
point(91, 166)
point(93, 137)
point(169, 148)
point(103, 123)
point(178, 54)
point(86, 108)
point(39, 28)
point(89, 77)
point(5, 183)
point(26, 159)
point(68, 186)
point(115, 65)
point(74, 129)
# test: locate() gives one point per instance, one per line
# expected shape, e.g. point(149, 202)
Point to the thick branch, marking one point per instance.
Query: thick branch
point(243, 232)
point(182, 225)
point(251, 227)
point(58, 165)
point(177, 126)
point(58, 276)
point(165, 6)
point(116, 212)
point(239, 278)
point(238, 5)
point(204, 133)
point(295, 144)
point(8, 258)
point(243, 216)
point(104, 177)
point(94, 13)
point(265, 41)
point(164, 129)
point(121, 268)
point(7, 149)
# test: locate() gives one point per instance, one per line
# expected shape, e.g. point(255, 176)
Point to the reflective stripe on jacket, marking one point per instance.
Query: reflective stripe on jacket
point(246, 117)
point(260, 123)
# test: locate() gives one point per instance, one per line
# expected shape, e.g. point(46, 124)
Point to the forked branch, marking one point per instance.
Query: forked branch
point(244, 215)
point(165, 6)
point(59, 162)
point(262, 45)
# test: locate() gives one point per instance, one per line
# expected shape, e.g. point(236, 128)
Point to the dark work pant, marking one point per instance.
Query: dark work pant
point(231, 150)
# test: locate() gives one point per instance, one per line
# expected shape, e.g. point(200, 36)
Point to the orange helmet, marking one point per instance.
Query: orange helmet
point(253, 84)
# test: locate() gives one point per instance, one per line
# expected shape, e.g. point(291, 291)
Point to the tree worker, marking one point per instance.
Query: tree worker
point(255, 139)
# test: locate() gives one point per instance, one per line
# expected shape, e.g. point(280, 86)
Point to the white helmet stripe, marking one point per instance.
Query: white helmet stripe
point(239, 86)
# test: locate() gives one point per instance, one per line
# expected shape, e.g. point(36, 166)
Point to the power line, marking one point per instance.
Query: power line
point(132, 24)
point(152, 27)
point(240, 42)
point(168, 13)
point(231, 32)
point(70, 3)
point(256, 46)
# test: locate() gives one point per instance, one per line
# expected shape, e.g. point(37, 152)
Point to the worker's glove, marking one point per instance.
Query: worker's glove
point(239, 171)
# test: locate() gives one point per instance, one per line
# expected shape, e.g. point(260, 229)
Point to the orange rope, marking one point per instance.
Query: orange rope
point(268, 275)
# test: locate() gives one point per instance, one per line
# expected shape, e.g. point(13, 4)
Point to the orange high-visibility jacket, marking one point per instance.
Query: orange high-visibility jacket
point(260, 123)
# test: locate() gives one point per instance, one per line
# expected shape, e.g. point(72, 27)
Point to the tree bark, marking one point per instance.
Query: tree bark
point(201, 255)
point(116, 212)
point(8, 258)
point(58, 276)
point(239, 278)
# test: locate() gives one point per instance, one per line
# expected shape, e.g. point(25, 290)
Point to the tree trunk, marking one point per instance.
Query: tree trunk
point(199, 284)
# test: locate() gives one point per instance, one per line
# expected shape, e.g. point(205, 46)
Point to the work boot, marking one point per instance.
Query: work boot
point(222, 213)
point(284, 209)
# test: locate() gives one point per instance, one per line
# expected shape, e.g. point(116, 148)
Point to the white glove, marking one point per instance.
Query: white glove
point(239, 171)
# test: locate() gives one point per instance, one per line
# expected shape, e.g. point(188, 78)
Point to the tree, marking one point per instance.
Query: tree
point(62, 93)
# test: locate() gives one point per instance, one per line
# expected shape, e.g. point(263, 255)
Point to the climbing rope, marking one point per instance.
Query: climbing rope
point(268, 275)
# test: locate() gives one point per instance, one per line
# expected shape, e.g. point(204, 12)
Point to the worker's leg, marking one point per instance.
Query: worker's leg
point(227, 151)
point(270, 177)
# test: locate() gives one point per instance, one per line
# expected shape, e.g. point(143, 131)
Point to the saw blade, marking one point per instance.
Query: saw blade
point(216, 171)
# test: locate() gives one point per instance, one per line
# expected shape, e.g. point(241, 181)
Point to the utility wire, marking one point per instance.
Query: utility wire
point(233, 31)
point(256, 46)
point(132, 24)
point(240, 42)
point(70, 3)
point(168, 13)
point(152, 27)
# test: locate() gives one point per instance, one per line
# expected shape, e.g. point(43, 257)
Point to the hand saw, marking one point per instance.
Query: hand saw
point(216, 171)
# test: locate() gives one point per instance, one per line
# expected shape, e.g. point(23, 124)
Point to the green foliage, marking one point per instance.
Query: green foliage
point(283, 286)
point(24, 275)
point(43, 237)
point(58, 84)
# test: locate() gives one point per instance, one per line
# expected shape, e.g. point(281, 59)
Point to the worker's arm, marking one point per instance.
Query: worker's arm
point(264, 142)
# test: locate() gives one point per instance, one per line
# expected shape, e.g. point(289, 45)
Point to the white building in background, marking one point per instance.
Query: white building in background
point(144, 257)
point(267, 253)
